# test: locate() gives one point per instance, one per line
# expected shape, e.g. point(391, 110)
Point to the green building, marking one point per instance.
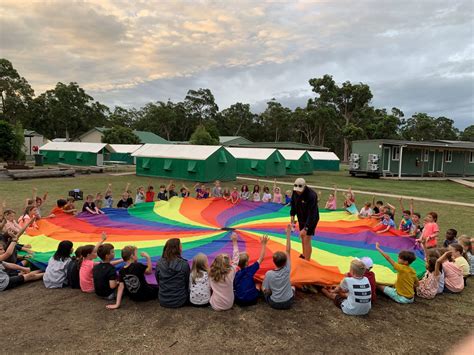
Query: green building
point(233, 141)
point(259, 162)
point(203, 163)
point(284, 145)
point(75, 153)
point(324, 161)
point(123, 153)
point(96, 134)
point(386, 157)
point(298, 162)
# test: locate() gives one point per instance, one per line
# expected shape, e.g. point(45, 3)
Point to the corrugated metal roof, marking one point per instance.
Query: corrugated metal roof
point(251, 153)
point(76, 147)
point(125, 148)
point(233, 140)
point(150, 137)
point(188, 151)
point(289, 154)
point(436, 144)
point(323, 156)
point(285, 145)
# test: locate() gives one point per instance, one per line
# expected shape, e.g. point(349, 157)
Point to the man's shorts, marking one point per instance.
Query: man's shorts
point(392, 293)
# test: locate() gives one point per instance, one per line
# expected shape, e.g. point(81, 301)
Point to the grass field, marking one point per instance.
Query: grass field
point(67, 320)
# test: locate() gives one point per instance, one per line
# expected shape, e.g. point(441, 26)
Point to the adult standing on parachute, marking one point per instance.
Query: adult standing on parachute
point(304, 205)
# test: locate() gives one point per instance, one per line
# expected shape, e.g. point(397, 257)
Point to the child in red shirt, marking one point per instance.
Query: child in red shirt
point(150, 194)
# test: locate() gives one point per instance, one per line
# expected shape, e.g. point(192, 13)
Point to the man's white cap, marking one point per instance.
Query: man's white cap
point(299, 185)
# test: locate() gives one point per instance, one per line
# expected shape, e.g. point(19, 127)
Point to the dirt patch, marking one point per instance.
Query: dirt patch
point(35, 319)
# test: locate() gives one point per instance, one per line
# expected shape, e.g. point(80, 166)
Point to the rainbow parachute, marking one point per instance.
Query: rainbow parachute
point(206, 226)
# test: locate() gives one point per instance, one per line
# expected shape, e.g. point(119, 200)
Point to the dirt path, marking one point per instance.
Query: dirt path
point(445, 202)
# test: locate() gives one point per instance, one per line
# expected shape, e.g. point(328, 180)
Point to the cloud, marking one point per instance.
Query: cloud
point(415, 55)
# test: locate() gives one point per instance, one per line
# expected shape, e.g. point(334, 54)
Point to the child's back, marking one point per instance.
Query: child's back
point(55, 275)
point(102, 274)
point(278, 282)
point(86, 279)
point(199, 289)
point(245, 291)
point(358, 301)
point(222, 297)
point(133, 276)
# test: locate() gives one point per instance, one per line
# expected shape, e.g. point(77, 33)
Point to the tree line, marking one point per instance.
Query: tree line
point(335, 116)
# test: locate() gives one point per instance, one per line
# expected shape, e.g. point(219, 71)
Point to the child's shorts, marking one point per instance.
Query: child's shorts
point(15, 281)
point(392, 293)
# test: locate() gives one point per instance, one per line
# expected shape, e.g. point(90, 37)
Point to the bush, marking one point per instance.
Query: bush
point(120, 135)
point(11, 142)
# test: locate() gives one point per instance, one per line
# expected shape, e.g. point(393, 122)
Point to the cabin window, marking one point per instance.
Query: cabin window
point(254, 164)
point(222, 157)
point(146, 164)
point(79, 156)
point(167, 165)
point(425, 155)
point(61, 155)
point(471, 157)
point(448, 156)
point(192, 166)
point(395, 153)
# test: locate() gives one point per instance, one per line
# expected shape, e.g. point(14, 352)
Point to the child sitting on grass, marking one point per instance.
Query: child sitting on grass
point(55, 275)
point(366, 211)
point(184, 192)
point(430, 230)
point(428, 286)
point(288, 195)
point(277, 196)
point(246, 294)
point(450, 238)
point(103, 274)
point(162, 193)
point(226, 194)
point(331, 203)
point(267, 196)
point(9, 281)
point(86, 266)
point(199, 288)
point(244, 193)
point(59, 209)
point(386, 223)
point(467, 244)
point(222, 276)
point(108, 199)
point(404, 290)
point(171, 190)
point(73, 278)
point(30, 213)
point(377, 206)
point(234, 196)
point(453, 274)
point(140, 196)
point(460, 259)
point(217, 189)
point(132, 278)
point(369, 263)
point(353, 295)
point(256, 193)
point(150, 194)
point(406, 223)
point(90, 207)
point(276, 286)
point(70, 208)
point(349, 198)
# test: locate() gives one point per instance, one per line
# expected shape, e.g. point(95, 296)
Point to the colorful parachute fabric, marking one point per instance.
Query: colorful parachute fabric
point(206, 226)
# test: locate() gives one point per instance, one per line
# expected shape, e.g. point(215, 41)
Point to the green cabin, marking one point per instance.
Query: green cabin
point(203, 163)
point(298, 162)
point(386, 157)
point(324, 161)
point(75, 153)
point(123, 153)
point(259, 162)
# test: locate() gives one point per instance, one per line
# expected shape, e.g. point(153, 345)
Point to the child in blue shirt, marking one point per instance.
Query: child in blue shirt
point(406, 222)
point(387, 223)
point(245, 292)
point(288, 195)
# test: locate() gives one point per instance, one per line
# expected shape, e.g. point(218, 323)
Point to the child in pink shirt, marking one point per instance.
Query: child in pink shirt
point(277, 196)
point(430, 230)
point(234, 196)
point(453, 279)
point(222, 276)
point(331, 203)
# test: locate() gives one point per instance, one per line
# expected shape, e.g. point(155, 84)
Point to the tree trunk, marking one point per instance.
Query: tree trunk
point(346, 150)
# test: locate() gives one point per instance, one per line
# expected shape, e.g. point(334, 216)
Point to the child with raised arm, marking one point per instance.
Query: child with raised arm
point(406, 222)
point(86, 265)
point(172, 190)
point(386, 223)
point(30, 213)
point(404, 290)
point(184, 191)
point(108, 199)
point(453, 274)
point(90, 207)
point(55, 275)
point(353, 295)
point(38, 201)
point(222, 276)
point(467, 245)
point(217, 189)
point(430, 230)
point(245, 292)
point(140, 196)
point(349, 198)
point(132, 278)
point(331, 203)
point(199, 287)
point(276, 286)
point(9, 281)
point(428, 286)
point(267, 196)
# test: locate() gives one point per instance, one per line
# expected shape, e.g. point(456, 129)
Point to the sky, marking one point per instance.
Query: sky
point(415, 55)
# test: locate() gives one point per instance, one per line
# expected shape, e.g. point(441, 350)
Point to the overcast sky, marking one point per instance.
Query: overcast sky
point(415, 55)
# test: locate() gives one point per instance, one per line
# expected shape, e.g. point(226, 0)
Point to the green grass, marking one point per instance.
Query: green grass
point(460, 218)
